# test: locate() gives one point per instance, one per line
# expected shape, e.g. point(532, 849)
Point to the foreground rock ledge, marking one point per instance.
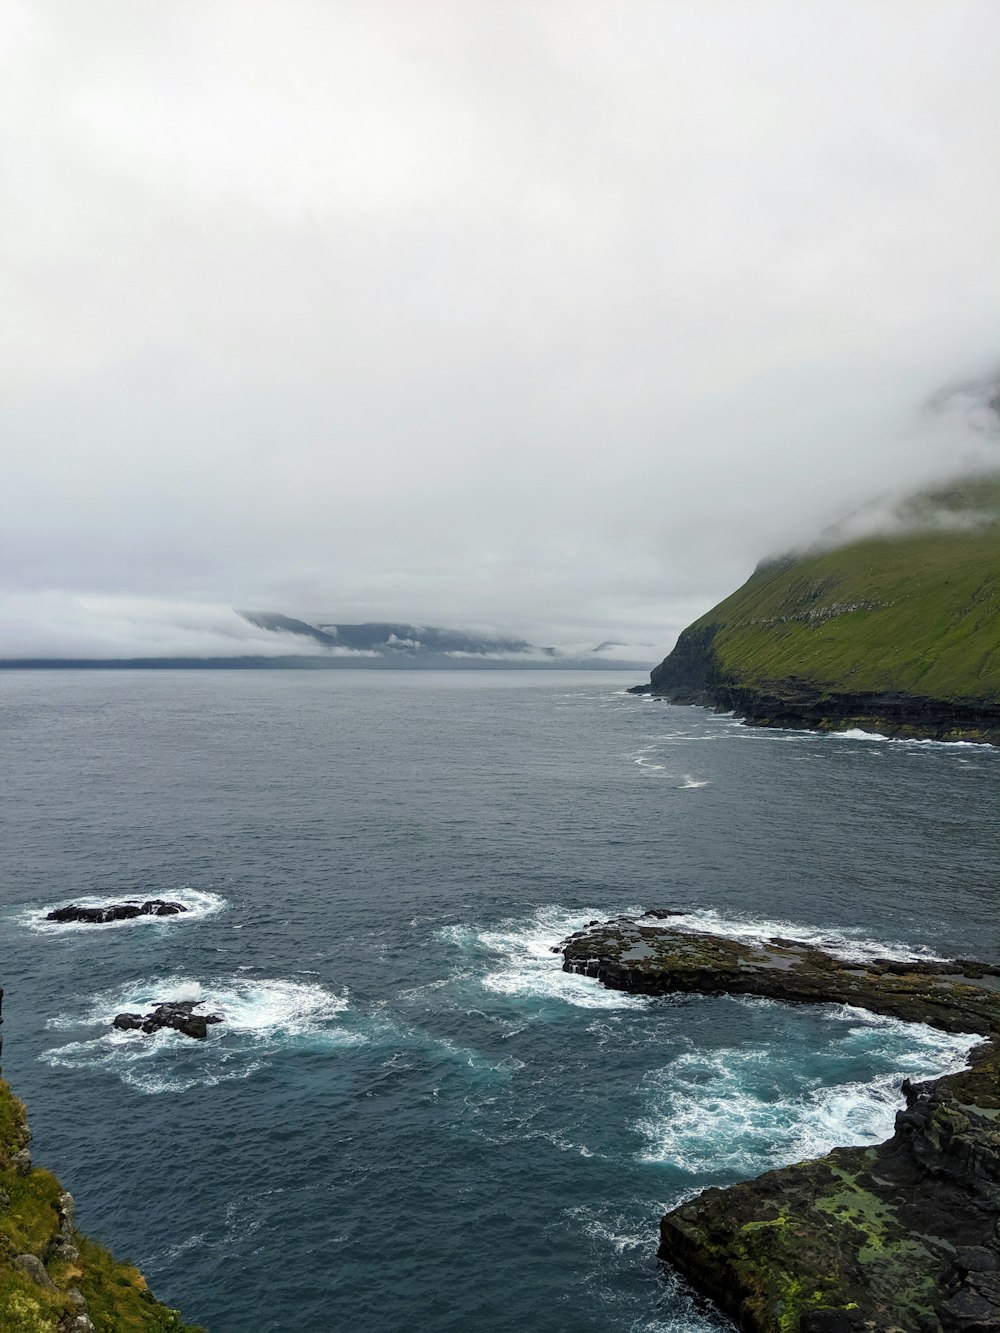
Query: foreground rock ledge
point(900, 1238)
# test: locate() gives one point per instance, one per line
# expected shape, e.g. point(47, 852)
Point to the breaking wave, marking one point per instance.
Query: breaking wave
point(517, 959)
point(260, 1017)
point(739, 1111)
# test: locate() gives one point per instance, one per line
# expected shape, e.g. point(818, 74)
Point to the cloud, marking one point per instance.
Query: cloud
point(553, 315)
point(57, 624)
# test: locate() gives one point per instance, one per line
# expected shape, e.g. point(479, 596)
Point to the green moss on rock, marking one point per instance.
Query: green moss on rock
point(50, 1275)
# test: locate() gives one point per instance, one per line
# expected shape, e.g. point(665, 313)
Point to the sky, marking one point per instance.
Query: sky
point(547, 317)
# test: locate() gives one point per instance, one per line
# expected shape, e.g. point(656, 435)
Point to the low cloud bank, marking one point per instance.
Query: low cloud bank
point(62, 625)
point(59, 626)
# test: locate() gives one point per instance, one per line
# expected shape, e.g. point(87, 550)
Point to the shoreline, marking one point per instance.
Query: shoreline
point(903, 1236)
point(894, 716)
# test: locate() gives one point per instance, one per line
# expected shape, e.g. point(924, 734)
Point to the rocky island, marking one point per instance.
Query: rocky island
point(100, 916)
point(896, 632)
point(900, 1238)
point(177, 1015)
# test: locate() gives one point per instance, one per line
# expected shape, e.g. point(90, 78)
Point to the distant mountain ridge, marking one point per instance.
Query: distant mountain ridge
point(896, 632)
point(326, 645)
point(390, 638)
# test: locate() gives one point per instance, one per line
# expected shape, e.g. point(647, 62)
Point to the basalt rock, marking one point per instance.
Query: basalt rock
point(99, 916)
point(900, 1238)
point(176, 1014)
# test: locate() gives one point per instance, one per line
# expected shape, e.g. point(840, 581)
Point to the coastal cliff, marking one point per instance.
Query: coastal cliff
point(52, 1278)
point(892, 633)
point(900, 1238)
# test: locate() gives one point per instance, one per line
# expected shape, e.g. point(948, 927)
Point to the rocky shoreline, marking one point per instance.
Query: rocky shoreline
point(694, 674)
point(800, 707)
point(900, 1238)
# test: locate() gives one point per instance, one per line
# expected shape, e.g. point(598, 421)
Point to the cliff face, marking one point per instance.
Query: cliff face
point(899, 634)
point(52, 1279)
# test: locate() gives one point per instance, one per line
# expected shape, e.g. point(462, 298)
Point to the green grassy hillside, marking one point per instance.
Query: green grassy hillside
point(51, 1278)
point(915, 614)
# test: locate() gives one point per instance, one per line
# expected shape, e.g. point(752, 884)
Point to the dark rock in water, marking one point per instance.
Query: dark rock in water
point(126, 1021)
point(904, 1236)
point(99, 916)
point(157, 907)
point(176, 1014)
point(95, 915)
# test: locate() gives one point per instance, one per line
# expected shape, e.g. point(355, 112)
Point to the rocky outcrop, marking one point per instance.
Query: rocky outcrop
point(99, 916)
point(901, 1238)
point(176, 1014)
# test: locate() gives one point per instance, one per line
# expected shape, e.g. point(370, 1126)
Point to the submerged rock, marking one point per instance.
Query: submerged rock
point(904, 1236)
point(176, 1014)
point(99, 916)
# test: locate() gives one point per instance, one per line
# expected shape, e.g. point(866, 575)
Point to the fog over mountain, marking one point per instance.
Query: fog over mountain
point(542, 319)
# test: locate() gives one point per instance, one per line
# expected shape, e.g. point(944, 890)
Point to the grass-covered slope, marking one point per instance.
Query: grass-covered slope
point(52, 1279)
point(902, 630)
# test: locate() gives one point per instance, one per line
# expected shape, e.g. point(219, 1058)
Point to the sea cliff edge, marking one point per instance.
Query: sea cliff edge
point(52, 1278)
point(693, 674)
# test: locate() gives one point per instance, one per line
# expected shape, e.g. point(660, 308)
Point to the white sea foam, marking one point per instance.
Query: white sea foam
point(985, 746)
point(260, 1017)
point(846, 943)
point(198, 904)
point(520, 962)
point(647, 758)
point(623, 1234)
point(858, 734)
point(744, 1110)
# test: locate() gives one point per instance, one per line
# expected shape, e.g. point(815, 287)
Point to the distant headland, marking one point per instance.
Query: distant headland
point(896, 631)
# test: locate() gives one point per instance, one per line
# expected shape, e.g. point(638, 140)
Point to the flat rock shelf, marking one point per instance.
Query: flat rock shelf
point(899, 1238)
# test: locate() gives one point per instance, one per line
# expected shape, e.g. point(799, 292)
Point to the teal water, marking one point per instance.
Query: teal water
point(412, 1118)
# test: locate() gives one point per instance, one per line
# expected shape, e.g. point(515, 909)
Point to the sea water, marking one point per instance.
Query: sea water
point(410, 1117)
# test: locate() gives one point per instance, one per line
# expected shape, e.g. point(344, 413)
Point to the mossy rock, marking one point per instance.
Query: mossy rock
point(117, 1298)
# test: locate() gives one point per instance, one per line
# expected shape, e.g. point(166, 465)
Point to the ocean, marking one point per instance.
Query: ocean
point(411, 1118)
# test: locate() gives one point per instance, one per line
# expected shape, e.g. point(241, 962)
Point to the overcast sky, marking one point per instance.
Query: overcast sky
point(547, 316)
